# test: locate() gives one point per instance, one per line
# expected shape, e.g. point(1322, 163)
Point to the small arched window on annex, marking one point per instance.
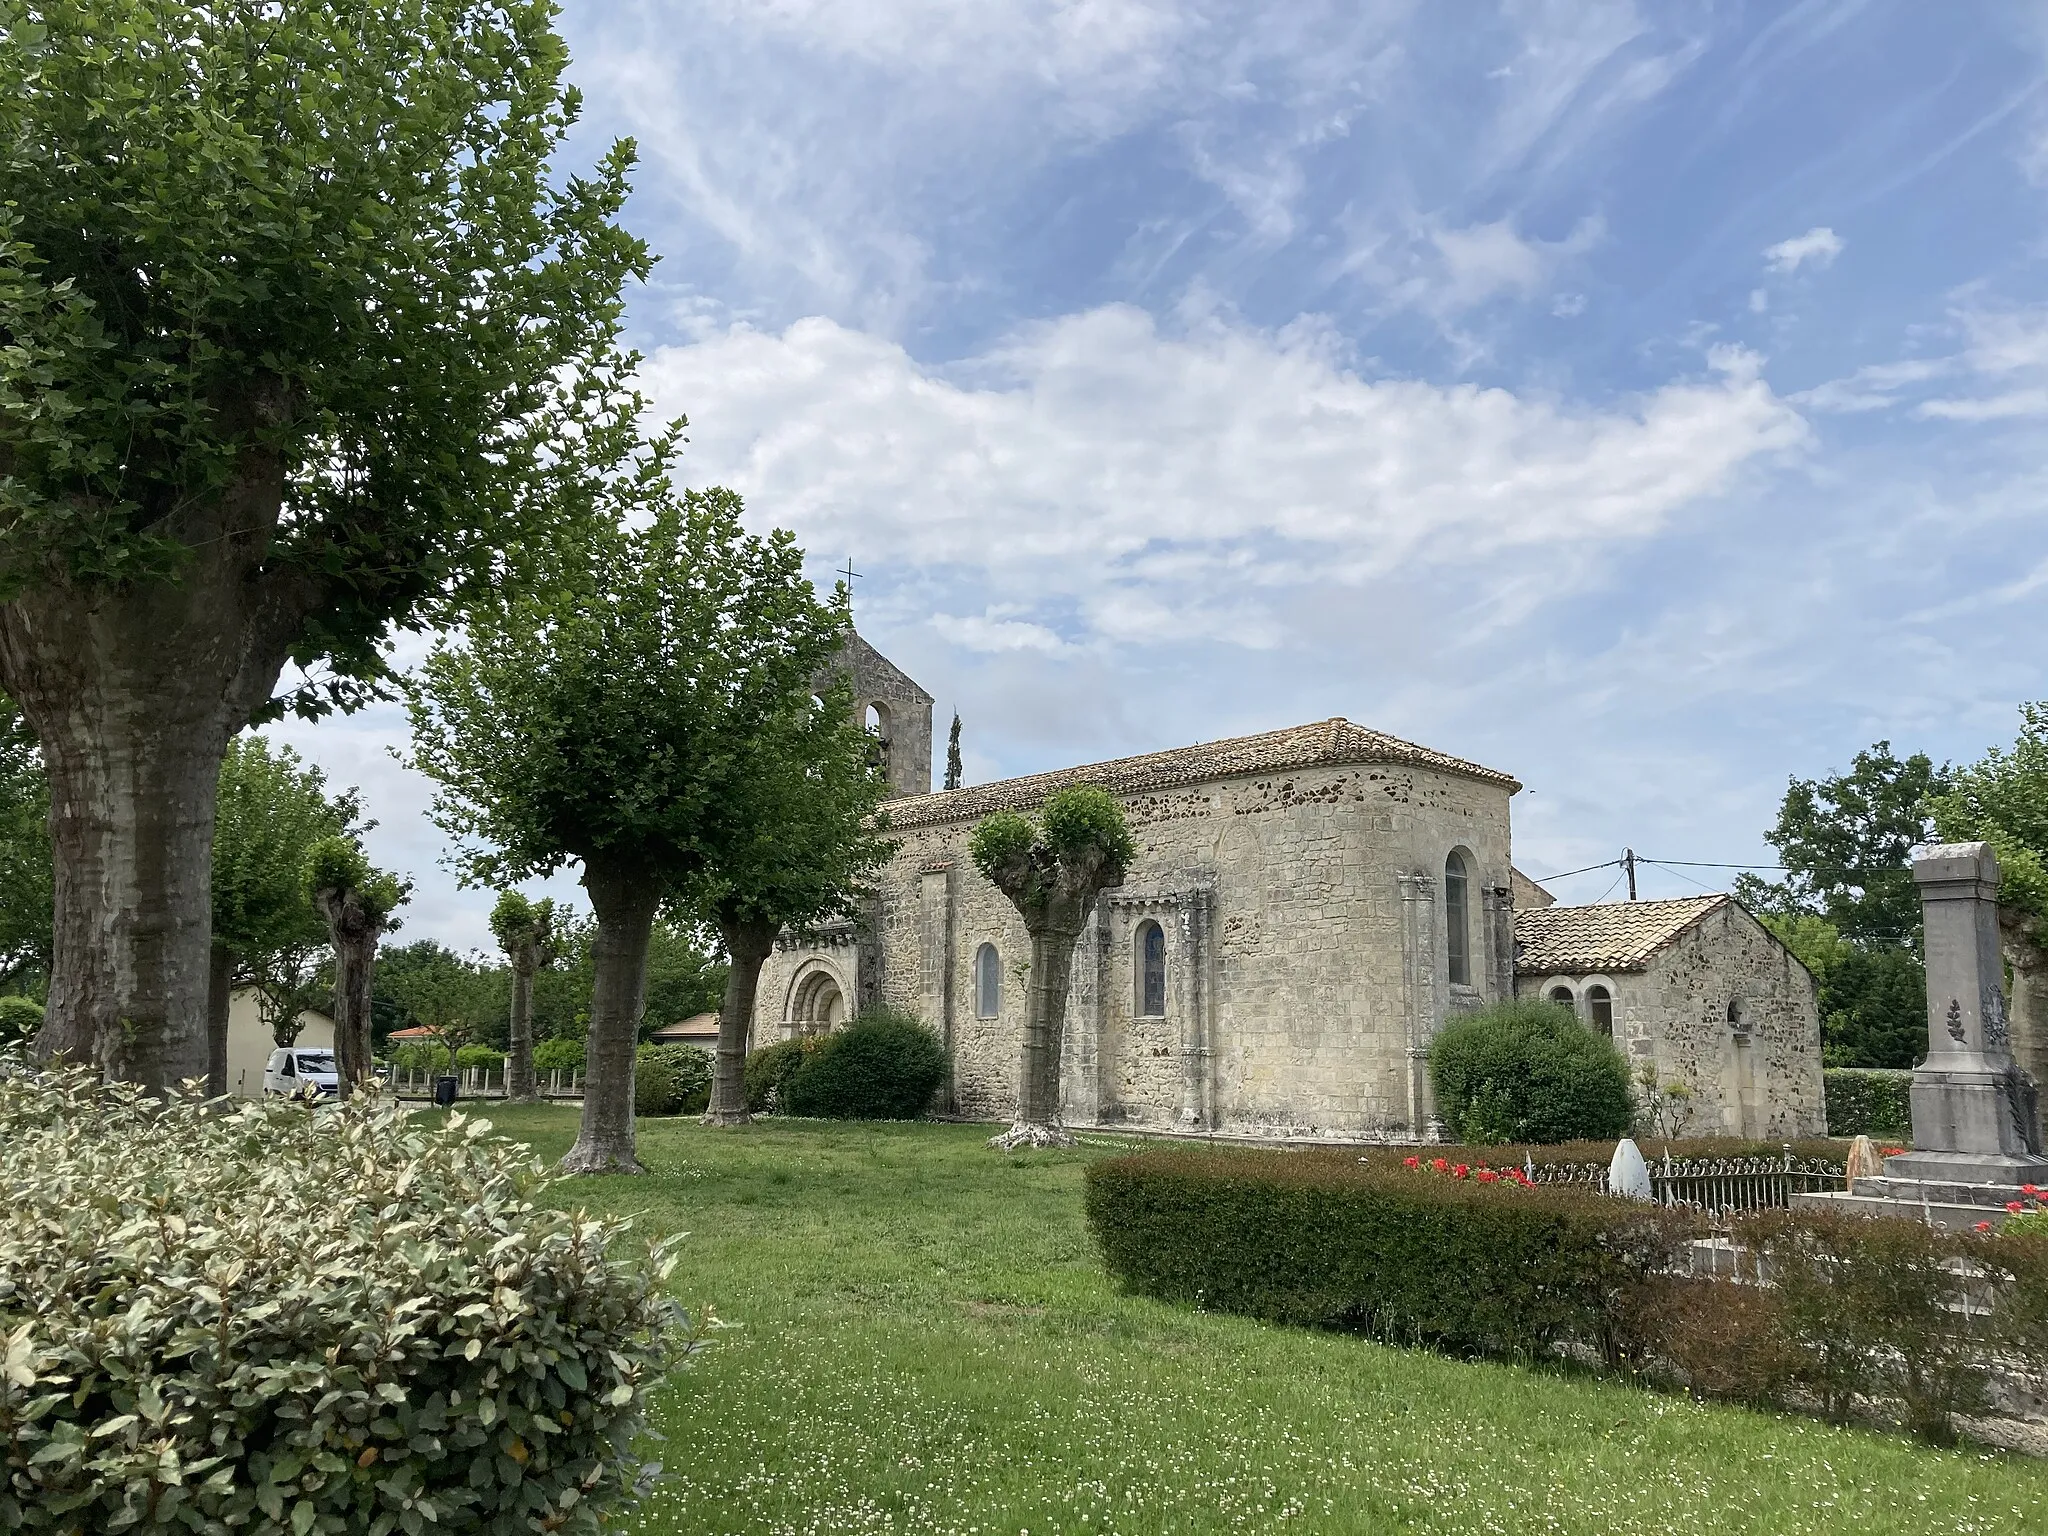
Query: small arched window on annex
point(988, 982)
point(1600, 1008)
point(1560, 993)
point(1738, 1019)
point(1458, 919)
point(1148, 956)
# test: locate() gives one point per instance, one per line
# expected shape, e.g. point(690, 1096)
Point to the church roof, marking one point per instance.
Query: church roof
point(1612, 936)
point(1323, 744)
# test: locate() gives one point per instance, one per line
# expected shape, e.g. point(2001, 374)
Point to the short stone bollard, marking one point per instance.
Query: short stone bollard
point(1628, 1175)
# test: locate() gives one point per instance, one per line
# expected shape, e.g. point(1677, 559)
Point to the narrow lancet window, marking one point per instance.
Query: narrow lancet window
point(1151, 957)
point(988, 982)
point(1457, 931)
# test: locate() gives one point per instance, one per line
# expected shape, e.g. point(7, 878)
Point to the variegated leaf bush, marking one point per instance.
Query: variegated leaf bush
point(274, 1318)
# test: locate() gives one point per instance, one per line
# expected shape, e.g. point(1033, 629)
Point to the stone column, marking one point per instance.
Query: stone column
point(935, 963)
point(1973, 1109)
point(1419, 1001)
point(1194, 1037)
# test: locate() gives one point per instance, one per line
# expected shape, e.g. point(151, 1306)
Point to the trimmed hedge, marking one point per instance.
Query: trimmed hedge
point(885, 1065)
point(1528, 1071)
point(1413, 1256)
point(1869, 1101)
point(1857, 1310)
point(254, 1319)
point(20, 1018)
point(671, 1080)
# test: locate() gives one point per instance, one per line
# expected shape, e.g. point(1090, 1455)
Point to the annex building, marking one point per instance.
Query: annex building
point(1306, 909)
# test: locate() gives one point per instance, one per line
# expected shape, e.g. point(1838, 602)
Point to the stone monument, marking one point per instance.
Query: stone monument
point(1976, 1136)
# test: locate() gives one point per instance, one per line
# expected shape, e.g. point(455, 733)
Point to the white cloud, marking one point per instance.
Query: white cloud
point(1759, 301)
point(2005, 350)
point(1819, 245)
point(988, 633)
point(1088, 458)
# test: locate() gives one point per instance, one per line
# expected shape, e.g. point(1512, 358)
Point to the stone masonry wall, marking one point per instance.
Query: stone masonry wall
point(1305, 946)
point(1763, 1081)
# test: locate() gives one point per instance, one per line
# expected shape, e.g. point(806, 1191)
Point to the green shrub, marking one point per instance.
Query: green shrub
point(264, 1321)
point(671, 1080)
point(885, 1065)
point(426, 1056)
point(769, 1070)
point(1528, 1071)
point(479, 1056)
point(554, 1055)
point(1869, 1101)
point(20, 1018)
point(1409, 1255)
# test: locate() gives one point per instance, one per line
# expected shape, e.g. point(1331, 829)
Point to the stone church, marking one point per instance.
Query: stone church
point(1307, 907)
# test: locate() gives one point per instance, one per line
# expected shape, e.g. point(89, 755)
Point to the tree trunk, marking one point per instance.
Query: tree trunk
point(134, 693)
point(220, 998)
point(747, 948)
point(354, 932)
point(1045, 1016)
point(519, 1085)
point(624, 898)
point(2028, 1011)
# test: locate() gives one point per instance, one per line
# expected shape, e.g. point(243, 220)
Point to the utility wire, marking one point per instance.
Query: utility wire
point(1570, 872)
point(1661, 864)
point(1610, 888)
point(1708, 864)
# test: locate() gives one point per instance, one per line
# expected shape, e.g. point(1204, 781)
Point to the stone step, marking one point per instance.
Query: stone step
point(1947, 1191)
point(1952, 1215)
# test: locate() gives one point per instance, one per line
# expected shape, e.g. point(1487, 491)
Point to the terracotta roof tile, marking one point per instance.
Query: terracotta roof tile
point(1324, 743)
point(1612, 936)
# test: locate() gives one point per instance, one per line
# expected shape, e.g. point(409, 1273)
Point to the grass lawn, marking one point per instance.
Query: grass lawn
point(925, 1342)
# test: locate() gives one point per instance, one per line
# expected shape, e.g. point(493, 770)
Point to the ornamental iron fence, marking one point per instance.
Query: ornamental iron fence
point(1719, 1186)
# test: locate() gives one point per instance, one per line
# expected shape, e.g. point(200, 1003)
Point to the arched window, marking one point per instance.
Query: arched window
point(1457, 931)
point(988, 982)
point(875, 720)
point(1737, 1023)
point(1600, 1010)
point(1149, 951)
point(1562, 996)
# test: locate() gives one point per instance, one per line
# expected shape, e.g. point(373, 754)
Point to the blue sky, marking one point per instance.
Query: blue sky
point(1646, 400)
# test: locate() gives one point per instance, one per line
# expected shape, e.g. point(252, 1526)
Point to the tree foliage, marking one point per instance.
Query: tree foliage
point(273, 807)
point(1847, 843)
point(320, 244)
point(2002, 799)
point(1847, 904)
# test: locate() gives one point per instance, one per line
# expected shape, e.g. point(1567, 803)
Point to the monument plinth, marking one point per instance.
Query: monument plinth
point(1976, 1137)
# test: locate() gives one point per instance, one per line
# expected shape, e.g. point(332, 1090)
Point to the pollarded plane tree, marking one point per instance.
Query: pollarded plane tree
point(793, 835)
point(1052, 873)
point(525, 930)
point(358, 903)
point(299, 321)
point(596, 720)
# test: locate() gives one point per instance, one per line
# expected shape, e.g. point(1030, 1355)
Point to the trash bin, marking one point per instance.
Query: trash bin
point(444, 1091)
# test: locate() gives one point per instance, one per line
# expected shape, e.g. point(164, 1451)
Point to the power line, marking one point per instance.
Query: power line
point(1661, 864)
point(1610, 887)
point(1709, 864)
point(1611, 863)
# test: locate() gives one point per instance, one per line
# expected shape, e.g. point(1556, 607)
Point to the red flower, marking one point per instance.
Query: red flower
point(2015, 1205)
point(2030, 1189)
point(1894, 1151)
point(1411, 1162)
point(1983, 1226)
point(1461, 1170)
point(1488, 1176)
point(1439, 1165)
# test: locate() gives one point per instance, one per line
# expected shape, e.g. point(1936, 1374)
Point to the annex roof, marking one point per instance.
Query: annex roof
point(1324, 743)
point(1612, 936)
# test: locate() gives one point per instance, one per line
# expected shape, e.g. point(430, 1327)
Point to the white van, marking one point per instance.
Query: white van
point(308, 1072)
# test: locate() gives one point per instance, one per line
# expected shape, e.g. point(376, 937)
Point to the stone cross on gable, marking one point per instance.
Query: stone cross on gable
point(851, 576)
